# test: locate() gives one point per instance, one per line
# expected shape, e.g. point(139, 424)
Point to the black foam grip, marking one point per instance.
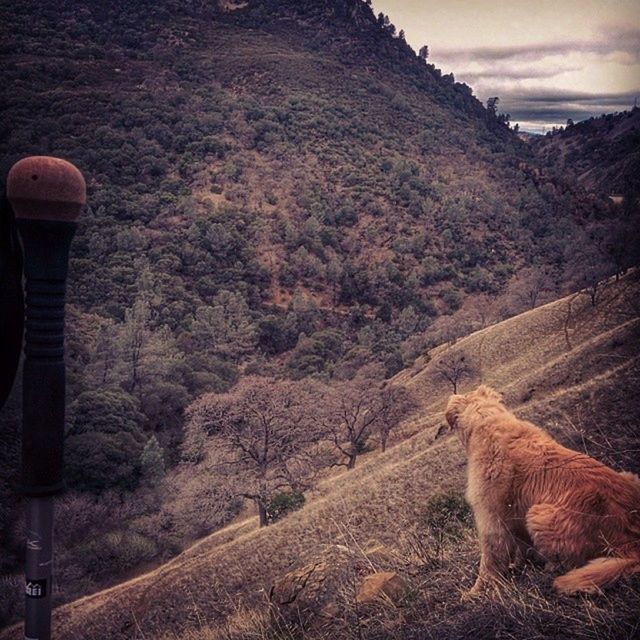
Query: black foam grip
point(46, 251)
point(43, 430)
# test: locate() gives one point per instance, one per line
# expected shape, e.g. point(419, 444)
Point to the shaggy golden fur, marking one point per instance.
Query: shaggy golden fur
point(527, 491)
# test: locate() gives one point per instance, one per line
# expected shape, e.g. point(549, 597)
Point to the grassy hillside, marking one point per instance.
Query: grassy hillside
point(568, 366)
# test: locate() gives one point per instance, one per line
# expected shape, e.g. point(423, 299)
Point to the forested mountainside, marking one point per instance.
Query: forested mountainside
point(603, 153)
point(276, 188)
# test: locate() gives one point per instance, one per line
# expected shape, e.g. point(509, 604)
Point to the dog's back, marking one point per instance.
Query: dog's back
point(574, 508)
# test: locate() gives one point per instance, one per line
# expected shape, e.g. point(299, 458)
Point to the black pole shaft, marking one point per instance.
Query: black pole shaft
point(46, 248)
point(38, 568)
point(46, 195)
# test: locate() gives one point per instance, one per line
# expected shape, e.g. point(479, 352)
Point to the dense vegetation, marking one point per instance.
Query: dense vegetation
point(284, 190)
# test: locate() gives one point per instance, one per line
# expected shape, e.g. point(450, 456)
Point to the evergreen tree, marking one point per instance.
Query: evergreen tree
point(105, 355)
point(135, 336)
point(152, 466)
point(225, 329)
point(104, 441)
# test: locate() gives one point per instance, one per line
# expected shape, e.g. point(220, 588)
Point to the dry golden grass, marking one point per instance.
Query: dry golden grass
point(575, 374)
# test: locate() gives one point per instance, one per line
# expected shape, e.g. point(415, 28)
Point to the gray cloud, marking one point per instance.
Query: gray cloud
point(615, 40)
point(563, 96)
point(550, 116)
point(511, 73)
point(495, 71)
point(541, 107)
point(559, 113)
point(556, 106)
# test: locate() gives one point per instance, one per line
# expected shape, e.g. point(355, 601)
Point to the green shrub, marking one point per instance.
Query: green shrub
point(283, 503)
point(453, 298)
point(393, 363)
point(304, 365)
point(313, 354)
point(104, 442)
point(447, 514)
point(117, 551)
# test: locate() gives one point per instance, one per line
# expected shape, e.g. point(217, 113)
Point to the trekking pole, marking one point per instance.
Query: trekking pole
point(46, 195)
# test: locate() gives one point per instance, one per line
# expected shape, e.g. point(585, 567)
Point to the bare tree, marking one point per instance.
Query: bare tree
point(530, 284)
point(354, 411)
point(349, 418)
point(396, 403)
point(477, 312)
point(454, 367)
point(447, 329)
point(588, 267)
point(484, 307)
point(261, 435)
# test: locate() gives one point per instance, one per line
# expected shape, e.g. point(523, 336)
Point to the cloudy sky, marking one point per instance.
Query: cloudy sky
point(547, 60)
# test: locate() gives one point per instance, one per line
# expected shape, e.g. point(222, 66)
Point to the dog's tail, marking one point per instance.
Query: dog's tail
point(595, 574)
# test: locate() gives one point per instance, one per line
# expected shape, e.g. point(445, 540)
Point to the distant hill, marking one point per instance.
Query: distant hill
point(602, 154)
point(567, 366)
point(528, 137)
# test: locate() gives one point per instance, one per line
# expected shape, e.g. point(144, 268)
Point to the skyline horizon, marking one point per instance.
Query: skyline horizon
point(577, 60)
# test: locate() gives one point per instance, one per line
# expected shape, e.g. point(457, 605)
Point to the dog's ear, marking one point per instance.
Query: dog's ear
point(455, 407)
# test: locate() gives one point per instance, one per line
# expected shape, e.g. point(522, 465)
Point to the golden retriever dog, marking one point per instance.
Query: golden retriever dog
point(528, 491)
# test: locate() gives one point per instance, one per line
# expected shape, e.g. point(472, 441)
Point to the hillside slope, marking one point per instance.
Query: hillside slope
point(602, 154)
point(568, 366)
point(275, 186)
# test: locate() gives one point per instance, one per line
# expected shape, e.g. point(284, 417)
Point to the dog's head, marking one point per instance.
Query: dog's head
point(458, 403)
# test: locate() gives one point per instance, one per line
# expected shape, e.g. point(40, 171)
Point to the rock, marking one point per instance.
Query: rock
point(319, 594)
point(385, 586)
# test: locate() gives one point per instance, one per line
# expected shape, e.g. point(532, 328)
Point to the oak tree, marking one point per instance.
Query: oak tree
point(261, 436)
point(454, 367)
